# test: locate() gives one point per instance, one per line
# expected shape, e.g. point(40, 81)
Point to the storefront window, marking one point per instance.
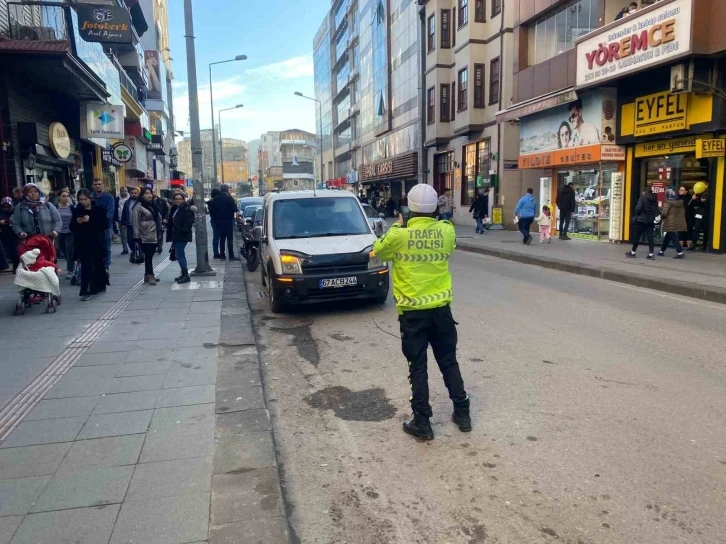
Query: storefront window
point(443, 171)
point(475, 170)
point(593, 191)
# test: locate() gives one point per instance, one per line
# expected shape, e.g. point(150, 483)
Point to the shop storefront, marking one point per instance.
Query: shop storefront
point(391, 177)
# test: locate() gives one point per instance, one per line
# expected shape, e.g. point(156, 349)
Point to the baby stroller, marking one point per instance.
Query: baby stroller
point(37, 276)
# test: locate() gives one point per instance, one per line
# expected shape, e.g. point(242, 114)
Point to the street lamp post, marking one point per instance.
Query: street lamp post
point(320, 121)
point(221, 144)
point(211, 102)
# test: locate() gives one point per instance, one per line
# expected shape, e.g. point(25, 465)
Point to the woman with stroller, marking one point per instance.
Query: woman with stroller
point(147, 225)
point(8, 238)
point(64, 243)
point(32, 216)
point(88, 225)
point(179, 232)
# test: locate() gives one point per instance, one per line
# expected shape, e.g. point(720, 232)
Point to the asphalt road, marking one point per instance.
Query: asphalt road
point(598, 408)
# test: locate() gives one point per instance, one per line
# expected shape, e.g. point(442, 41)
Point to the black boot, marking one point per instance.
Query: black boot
point(184, 278)
point(419, 427)
point(462, 417)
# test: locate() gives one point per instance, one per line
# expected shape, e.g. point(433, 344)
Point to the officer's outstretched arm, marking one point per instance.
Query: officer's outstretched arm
point(387, 245)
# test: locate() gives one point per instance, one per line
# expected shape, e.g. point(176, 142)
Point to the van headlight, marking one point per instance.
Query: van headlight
point(290, 264)
point(373, 261)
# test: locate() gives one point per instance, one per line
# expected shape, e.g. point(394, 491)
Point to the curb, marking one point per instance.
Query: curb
point(686, 289)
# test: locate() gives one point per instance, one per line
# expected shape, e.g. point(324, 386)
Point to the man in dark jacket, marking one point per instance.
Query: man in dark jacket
point(107, 203)
point(212, 210)
point(223, 210)
point(480, 209)
point(127, 218)
point(566, 203)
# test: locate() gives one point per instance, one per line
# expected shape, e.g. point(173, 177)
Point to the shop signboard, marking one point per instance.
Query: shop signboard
point(567, 157)
point(664, 112)
point(122, 152)
point(710, 148)
point(104, 23)
point(616, 207)
point(656, 35)
point(666, 147)
point(104, 121)
point(60, 142)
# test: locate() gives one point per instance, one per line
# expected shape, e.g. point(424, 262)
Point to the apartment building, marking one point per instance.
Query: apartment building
point(269, 160)
point(468, 46)
point(298, 153)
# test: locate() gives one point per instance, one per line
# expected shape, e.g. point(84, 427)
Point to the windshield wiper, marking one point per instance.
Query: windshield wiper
point(325, 234)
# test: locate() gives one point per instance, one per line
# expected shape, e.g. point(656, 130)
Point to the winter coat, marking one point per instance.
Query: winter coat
point(647, 209)
point(107, 203)
point(480, 205)
point(163, 208)
point(146, 229)
point(181, 223)
point(674, 216)
point(566, 201)
point(222, 208)
point(127, 217)
point(526, 207)
point(544, 220)
point(48, 219)
point(89, 239)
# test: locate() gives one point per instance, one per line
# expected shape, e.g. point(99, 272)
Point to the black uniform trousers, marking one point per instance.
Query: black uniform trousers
point(437, 328)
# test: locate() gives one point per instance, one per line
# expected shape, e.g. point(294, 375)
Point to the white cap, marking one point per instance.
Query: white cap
point(423, 199)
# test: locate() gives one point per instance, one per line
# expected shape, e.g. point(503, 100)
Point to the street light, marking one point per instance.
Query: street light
point(211, 101)
point(320, 120)
point(221, 145)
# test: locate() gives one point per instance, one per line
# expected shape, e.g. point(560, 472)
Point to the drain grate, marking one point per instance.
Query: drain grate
point(288, 323)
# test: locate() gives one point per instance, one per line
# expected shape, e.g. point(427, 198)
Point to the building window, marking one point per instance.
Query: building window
point(453, 27)
point(478, 85)
point(494, 81)
point(443, 171)
point(479, 16)
point(496, 7)
point(463, 12)
point(432, 32)
point(445, 107)
point(431, 102)
point(463, 87)
point(558, 31)
point(445, 30)
point(476, 162)
point(453, 100)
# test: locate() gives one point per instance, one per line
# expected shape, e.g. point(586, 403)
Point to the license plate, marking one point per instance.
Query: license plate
point(338, 282)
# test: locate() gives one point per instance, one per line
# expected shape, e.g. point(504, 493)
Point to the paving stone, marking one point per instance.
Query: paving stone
point(135, 383)
point(44, 431)
point(138, 356)
point(191, 341)
point(63, 408)
point(8, 525)
point(102, 425)
point(172, 520)
point(32, 460)
point(180, 432)
point(143, 369)
point(187, 374)
point(184, 396)
point(197, 321)
point(205, 308)
point(273, 530)
point(247, 496)
point(83, 382)
point(170, 478)
point(242, 422)
point(166, 333)
point(105, 452)
point(110, 347)
point(101, 359)
point(93, 486)
point(191, 355)
point(235, 399)
point(18, 495)
point(242, 452)
point(126, 402)
point(79, 526)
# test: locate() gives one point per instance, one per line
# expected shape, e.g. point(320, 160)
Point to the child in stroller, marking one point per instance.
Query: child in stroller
point(37, 275)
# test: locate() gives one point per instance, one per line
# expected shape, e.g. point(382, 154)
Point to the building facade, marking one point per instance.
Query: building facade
point(323, 80)
point(298, 154)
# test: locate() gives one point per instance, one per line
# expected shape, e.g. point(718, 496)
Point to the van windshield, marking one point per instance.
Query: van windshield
point(318, 217)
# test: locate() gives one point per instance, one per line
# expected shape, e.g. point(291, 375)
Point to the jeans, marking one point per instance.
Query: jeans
point(65, 243)
point(226, 235)
point(436, 328)
point(149, 252)
point(671, 238)
point(181, 257)
point(479, 225)
point(565, 222)
point(446, 216)
point(638, 230)
point(524, 224)
point(109, 239)
point(215, 238)
point(130, 238)
point(124, 235)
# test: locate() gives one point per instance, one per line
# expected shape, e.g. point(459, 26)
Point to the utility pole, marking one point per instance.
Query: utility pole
point(200, 223)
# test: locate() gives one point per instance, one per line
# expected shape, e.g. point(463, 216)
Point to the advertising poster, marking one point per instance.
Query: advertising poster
point(153, 62)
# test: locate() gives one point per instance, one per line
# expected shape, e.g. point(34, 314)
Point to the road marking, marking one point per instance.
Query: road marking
point(21, 404)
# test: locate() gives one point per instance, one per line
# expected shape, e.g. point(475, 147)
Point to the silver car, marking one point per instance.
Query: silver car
point(377, 221)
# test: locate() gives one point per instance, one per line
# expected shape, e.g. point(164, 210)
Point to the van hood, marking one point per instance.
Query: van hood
point(330, 245)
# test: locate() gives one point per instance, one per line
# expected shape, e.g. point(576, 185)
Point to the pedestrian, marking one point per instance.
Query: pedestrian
point(179, 232)
point(163, 207)
point(106, 202)
point(423, 294)
point(33, 216)
point(545, 225)
point(8, 238)
point(89, 224)
point(567, 204)
point(17, 196)
point(524, 214)
point(685, 236)
point(212, 210)
point(225, 209)
point(146, 229)
point(480, 210)
point(65, 236)
point(404, 201)
point(127, 219)
point(701, 211)
point(118, 225)
point(644, 222)
point(390, 207)
point(363, 198)
point(674, 222)
point(446, 205)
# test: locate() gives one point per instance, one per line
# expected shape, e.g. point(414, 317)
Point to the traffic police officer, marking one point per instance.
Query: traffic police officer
point(420, 252)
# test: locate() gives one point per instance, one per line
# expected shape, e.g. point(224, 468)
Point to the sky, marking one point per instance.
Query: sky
point(276, 36)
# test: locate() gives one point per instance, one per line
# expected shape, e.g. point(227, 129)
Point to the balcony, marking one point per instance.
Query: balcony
point(37, 25)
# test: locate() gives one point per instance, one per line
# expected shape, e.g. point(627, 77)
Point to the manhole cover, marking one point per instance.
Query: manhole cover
point(288, 323)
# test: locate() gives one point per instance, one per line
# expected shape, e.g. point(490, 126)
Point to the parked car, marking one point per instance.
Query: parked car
point(318, 246)
point(246, 214)
point(376, 220)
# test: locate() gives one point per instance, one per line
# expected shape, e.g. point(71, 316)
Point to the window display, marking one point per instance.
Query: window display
point(593, 189)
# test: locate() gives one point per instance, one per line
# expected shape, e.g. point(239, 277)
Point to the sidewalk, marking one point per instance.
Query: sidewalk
point(699, 275)
point(114, 429)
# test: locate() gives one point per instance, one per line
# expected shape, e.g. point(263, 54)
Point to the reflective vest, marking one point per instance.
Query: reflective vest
point(420, 256)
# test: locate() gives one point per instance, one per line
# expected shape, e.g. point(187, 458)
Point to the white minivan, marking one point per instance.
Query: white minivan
point(318, 246)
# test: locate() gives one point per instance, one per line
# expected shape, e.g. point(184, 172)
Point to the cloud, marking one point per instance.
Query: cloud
point(296, 67)
point(227, 93)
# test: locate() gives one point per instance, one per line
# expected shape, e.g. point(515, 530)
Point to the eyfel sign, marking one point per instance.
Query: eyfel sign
point(653, 36)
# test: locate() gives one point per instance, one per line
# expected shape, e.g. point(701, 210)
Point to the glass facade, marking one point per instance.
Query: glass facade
point(323, 81)
point(558, 31)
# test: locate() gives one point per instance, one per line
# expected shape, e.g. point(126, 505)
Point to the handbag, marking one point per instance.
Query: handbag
point(172, 254)
point(137, 256)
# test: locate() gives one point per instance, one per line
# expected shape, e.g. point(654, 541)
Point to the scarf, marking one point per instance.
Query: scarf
point(150, 206)
point(32, 205)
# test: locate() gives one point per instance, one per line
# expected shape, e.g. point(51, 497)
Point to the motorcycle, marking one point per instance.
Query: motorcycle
point(250, 249)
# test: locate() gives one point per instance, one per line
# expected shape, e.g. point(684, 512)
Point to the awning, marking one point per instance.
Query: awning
point(537, 105)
